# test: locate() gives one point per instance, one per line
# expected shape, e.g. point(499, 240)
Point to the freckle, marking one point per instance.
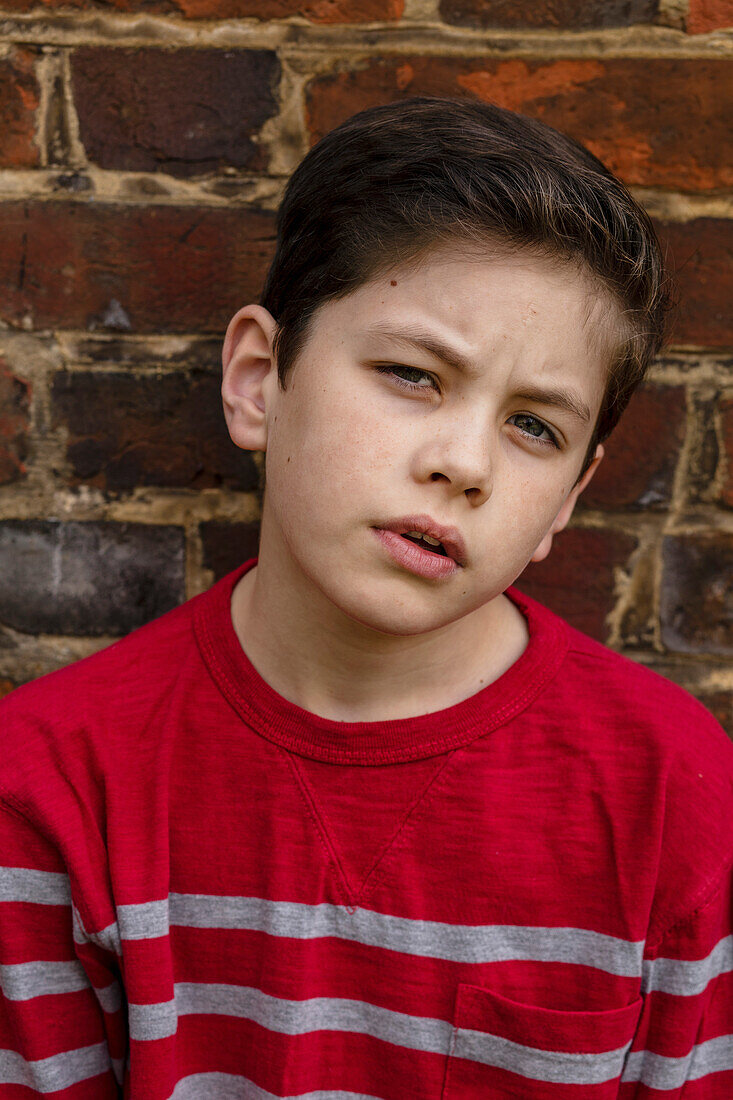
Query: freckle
point(393, 282)
point(288, 460)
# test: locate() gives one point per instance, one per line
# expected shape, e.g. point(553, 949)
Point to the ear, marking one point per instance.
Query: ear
point(563, 516)
point(249, 372)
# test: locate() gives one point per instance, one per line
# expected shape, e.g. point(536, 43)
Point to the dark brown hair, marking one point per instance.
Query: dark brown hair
point(395, 181)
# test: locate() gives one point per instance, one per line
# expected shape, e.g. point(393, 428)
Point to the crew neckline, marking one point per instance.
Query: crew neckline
point(396, 740)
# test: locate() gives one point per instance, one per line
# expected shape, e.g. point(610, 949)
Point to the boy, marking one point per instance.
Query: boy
point(362, 820)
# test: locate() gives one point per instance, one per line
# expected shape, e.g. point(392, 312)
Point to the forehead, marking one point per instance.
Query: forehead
point(532, 313)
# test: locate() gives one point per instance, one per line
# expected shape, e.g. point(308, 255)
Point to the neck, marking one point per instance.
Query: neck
point(317, 657)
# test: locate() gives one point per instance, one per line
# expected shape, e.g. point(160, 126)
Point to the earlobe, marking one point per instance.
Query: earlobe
point(563, 516)
point(249, 368)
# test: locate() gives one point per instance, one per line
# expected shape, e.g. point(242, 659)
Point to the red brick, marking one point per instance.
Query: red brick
point(708, 15)
point(575, 14)
point(183, 112)
point(654, 121)
point(642, 452)
point(700, 253)
point(124, 431)
point(6, 686)
point(726, 416)
point(14, 423)
point(577, 580)
point(142, 269)
point(696, 606)
point(88, 579)
point(318, 11)
point(19, 97)
point(228, 545)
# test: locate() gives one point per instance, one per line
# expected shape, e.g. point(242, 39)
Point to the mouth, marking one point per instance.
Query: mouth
point(433, 546)
point(432, 537)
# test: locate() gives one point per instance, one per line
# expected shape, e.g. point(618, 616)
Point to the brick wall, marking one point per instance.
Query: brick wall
point(143, 147)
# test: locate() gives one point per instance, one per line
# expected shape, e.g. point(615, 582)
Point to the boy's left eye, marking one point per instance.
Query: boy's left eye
point(410, 378)
point(533, 427)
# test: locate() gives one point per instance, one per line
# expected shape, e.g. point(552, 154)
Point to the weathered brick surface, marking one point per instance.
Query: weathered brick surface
point(578, 579)
point(700, 255)
point(655, 122)
point(87, 578)
point(124, 431)
point(227, 545)
point(726, 416)
point(696, 607)
point(14, 424)
point(19, 98)
point(642, 453)
point(708, 15)
point(185, 112)
point(548, 14)
point(318, 11)
point(138, 269)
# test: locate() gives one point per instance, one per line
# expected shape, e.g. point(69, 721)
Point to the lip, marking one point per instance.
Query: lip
point(451, 538)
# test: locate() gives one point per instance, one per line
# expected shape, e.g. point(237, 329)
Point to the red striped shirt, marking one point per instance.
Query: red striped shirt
point(207, 891)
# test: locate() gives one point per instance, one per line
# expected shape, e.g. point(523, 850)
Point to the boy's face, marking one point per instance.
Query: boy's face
point(380, 422)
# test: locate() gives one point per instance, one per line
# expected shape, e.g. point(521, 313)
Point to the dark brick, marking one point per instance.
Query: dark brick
point(167, 430)
point(88, 578)
point(14, 413)
point(708, 15)
point(696, 607)
point(574, 14)
point(318, 11)
point(701, 254)
point(19, 97)
point(641, 454)
point(726, 417)
point(228, 545)
point(656, 122)
point(577, 580)
point(704, 456)
point(155, 269)
point(183, 112)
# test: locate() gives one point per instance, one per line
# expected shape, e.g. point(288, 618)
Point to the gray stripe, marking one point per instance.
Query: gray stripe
point(22, 981)
point(154, 1021)
point(227, 1086)
point(428, 939)
point(559, 1067)
point(688, 979)
point(148, 920)
point(658, 1072)
point(108, 939)
point(290, 1017)
point(61, 1071)
point(110, 997)
point(41, 887)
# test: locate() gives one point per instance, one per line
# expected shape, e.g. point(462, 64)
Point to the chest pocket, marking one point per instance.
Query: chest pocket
point(502, 1049)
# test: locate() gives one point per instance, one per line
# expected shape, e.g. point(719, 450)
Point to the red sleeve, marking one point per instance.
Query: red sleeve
point(684, 1043)
point(62, 1028)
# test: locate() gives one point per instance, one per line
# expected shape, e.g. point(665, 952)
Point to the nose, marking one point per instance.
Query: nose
point(458, 454)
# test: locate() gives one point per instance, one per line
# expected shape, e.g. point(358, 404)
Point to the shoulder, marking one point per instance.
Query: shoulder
point(656, 759)
point(66, 720)
point(644, 705)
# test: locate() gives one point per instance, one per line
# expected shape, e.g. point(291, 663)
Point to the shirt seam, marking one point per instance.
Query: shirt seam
point(704, 897)
point(17, 808)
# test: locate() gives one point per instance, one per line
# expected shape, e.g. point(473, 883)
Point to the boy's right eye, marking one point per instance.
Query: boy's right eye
point(411, 378)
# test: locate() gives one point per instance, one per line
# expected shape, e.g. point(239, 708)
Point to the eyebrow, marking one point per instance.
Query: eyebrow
point(567, 400)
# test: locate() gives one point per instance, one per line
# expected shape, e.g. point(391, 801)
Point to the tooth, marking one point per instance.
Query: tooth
point(433, 542)
point(414, 534)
